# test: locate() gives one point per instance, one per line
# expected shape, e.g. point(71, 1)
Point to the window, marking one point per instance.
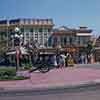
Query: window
point(31, 30)
point(45, 36)
point(46, 30)
point(45, 21)
point(27, 30)
point(36, 30)
point(71, 40)
point(45, 33)
point(55, 41)
point(65, 41)
point(49, 22)
point(49, 30)
point(2, 36)
point(31, 34)
point(40, 30)
point(14, 21)
point(36, 35)
point(81, 40)
point(3, 22)
point(22, 29)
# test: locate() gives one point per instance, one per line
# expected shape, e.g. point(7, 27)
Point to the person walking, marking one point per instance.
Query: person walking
point(66, 60)
point(62, 60)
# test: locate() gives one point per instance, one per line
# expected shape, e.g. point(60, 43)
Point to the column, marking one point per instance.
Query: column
point(47, 38)
point(58, 41)
point(25, 38)
point(29, 37)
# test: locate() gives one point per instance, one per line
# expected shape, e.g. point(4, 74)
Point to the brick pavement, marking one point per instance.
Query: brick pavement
point(56, 77)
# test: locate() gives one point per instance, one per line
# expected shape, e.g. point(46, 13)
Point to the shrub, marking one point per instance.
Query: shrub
point(19, 78)
point(28, 66)
point(7, 72)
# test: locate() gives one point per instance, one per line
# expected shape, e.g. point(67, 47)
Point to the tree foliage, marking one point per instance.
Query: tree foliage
point(89, 47)
point(3, 47)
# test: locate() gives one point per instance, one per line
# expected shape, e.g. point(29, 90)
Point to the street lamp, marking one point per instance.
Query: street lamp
point(19, 38)
point(12, 39)
point(7, 33)
point(17, 30)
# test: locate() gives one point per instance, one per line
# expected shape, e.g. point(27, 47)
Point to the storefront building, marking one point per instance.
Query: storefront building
point(71, 40)
point(97, 50)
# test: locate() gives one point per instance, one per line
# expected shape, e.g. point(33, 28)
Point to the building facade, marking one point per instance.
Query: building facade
point(66, 37)
point(33, 30)
point(97, 50)
point(71, 40)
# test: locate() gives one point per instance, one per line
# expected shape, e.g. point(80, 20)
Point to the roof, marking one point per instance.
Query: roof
point(28, 21)
point(13, 52)
point(63, 30)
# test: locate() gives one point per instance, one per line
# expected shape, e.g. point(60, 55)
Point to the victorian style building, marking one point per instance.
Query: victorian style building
point(70, 40)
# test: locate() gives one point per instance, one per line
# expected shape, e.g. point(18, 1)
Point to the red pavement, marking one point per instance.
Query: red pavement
point(56, 77)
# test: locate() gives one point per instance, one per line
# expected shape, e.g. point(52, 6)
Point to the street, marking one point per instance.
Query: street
point(85, 94)
point(57, 77)
point(93, 66)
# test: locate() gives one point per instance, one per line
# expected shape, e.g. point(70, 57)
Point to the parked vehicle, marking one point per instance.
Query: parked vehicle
point(43, 63)
point(4, 61)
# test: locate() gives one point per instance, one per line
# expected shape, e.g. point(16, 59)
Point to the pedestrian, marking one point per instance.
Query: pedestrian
point(66, 60)
point(53, 60)
point(62, 61)
point(58, 61)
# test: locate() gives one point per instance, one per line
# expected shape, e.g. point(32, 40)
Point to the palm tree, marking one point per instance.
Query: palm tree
point(90, 49)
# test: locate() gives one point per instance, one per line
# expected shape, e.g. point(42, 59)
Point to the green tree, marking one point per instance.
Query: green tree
point(90, 48)
point(3, 47)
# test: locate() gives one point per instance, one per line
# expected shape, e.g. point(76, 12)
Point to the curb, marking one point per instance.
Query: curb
point(82, 86)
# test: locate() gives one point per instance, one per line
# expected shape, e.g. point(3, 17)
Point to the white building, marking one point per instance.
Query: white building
point(33, 30)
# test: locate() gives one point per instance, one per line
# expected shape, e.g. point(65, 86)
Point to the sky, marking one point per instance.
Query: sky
point(71, 13)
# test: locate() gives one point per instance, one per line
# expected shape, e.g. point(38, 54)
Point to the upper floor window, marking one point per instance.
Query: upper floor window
point(71, 40)
point(49, 30)
point(3, 22)
point(40, 30)
point(65, 41)
point(36, 30)
point(31, 30)
point(22, 29)
point(45, 30)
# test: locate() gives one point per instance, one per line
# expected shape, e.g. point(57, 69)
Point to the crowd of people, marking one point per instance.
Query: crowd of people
point(60, 60)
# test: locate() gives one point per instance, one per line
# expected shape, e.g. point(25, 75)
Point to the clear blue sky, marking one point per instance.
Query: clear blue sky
point(72, 13)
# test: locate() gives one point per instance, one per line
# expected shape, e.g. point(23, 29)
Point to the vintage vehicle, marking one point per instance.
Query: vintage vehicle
point(43, 62)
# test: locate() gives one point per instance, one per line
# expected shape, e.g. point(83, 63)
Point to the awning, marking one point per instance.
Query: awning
point(84, 34)
point(23, 51)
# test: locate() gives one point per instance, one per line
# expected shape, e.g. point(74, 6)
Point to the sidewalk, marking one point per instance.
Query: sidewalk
point(64, 77)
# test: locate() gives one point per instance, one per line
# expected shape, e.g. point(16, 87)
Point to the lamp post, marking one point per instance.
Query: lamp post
point(12, 39)
point(7, 33)
point(19, 37)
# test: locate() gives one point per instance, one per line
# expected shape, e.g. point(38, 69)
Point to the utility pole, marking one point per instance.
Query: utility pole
point(7, 33)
